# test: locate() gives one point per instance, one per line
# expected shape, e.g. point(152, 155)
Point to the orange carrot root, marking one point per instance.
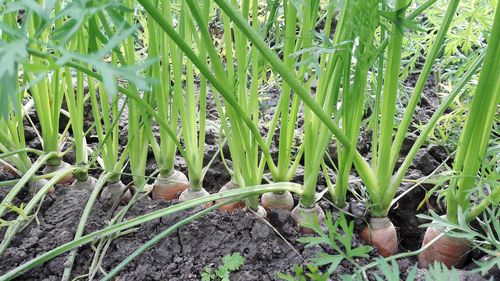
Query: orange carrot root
point(302, 215)
point(448, 250)
point(261, 212)
point(88, 184)
point(381, 234)
point(114, 191)
point(188, 194)
point(231, 207)
point(66, 180)
point(282, 201)
point(35, 186)
point(170, 187)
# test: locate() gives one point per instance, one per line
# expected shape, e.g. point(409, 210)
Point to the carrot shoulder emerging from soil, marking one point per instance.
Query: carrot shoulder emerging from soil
point(67, 180)
point(169, 188)
point(381, 234)
point(302, 215)
point(450, 251)
point(282, 201)
point(230, 207)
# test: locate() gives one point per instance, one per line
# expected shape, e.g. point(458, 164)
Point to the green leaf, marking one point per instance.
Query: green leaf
point(485, 266)
point(413, 25)
point(30, 5)
point(339, 236)
point(286, 277)
point(310, 273)
point(207, 275)
point(4, 223)
point(315, 274)
point(19, 210)
point(312, 241)
point(361, 252)
point(64, 33)
point(222, 273)
point(324, 259)
point(438, 272)
point(390, 271)
point(233, 262)
point(37, 67)
point(230, 263)
point(7, 93)
point(412, 274)
point(390, 15)
point(327, 259)
point(11, 54)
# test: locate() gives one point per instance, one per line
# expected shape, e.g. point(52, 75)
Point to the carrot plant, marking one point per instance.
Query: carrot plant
point(170, 182)
point(106, 113)
point(238, 19)
point(244, 65)
point(219, 80)
point(138, 120)
point(381, 181)
point(43, 77)
point(172, 102)
point(12, 140)
point(12, 143)
point(54, 51)
point(472, 147)
point(48, 94)
point(108, 106)
point(14, 153)
point(193, 108)
point(75, 100)
point(286, 114)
